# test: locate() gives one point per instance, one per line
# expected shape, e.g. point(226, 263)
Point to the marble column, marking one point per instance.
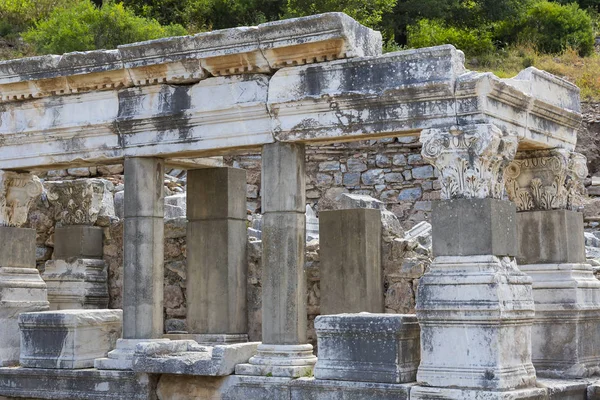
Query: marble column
point(143, 260)
point(284, 351)
point(21, 287)
point(547, 188)
point(474, 306)
point(216, 255)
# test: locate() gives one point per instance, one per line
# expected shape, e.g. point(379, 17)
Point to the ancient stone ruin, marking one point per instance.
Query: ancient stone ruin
point(506, 307)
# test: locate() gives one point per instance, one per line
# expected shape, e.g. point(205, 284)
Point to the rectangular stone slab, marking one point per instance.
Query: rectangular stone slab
point(69, 339)
point(368, 347)
point(78, 241)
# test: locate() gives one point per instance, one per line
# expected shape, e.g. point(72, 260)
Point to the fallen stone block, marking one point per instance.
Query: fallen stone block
point(368, 347)
point(68, 339)
point(187, 357)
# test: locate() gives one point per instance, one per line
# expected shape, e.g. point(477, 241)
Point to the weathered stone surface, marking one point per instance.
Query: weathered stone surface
point(76, 283)
point(218, 193)
point(498, 303)
point(81, 201)
point(368, 347)
point(283, 180)
point(465, 227)
point(79, 241)
point(351, 274)
point(18, 247)
point(187, 357)
point(68, 339)
point(289, 361)
point(90, 384)
point(18, 192)
point(427, 393)
point(121, 358)
point(551, 236)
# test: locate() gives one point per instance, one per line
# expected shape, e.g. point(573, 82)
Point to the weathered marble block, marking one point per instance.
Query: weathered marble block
point(368, 347)
point(69, 339)
point(76, 284)
point(79, 241)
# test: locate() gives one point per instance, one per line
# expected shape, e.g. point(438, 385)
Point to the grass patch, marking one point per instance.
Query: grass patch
point(582, 71)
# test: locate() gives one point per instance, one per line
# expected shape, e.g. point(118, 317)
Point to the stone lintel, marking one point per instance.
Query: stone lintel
point(468, 227)
point(550, 237)
point(350, 256)
point(78, 241)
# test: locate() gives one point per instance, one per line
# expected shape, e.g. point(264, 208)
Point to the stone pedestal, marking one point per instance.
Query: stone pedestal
point(546, 186)
point(350, 256)
point(143, 259)
point(367, 347)
point(216, 254)
point(284, 351)
point(21, 288)
point(80, 283)
point(68, 339)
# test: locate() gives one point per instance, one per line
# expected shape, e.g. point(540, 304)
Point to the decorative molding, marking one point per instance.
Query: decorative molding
point(546, 180)
point(18, 192)
point(470, 160)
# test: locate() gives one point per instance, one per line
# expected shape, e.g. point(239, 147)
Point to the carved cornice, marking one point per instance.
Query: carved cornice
point(18, 192)
point(546, 180)
point(470, 160)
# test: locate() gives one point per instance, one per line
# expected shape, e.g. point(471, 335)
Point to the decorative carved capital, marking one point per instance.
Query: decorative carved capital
point(546, 180)
point(18, 192)
point(470, 160)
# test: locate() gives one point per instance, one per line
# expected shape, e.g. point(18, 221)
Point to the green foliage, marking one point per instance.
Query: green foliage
point(18, 15)
point(367, 12)
point(552, 28)
point(427, 33)
point(83, 26)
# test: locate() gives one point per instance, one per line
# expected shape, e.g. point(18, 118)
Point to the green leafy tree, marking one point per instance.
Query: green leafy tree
point(427, 33)
point(83, 26)
point(18, 15)
point(552, 28)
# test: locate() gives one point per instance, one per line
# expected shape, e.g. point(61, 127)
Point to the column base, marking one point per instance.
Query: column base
point(209, 339)
point(121, 358)
point(428, 393)
point(292, 361)
point(482, 306)
point(565, 341)
point(22, 290)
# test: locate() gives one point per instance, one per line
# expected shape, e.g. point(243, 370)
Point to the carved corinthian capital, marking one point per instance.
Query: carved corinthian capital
point(546, 180)
point(470, 160)
point(18, 192)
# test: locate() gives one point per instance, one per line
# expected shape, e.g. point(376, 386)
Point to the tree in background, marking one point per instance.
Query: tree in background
point(83, 26)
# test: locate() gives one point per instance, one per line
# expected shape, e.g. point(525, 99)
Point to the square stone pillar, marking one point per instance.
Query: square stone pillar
point(350, 261)
point(474, 306)
point(21, 287)
point(216, 255)
point(143, 260)
point(284, 351)
point(546, 186)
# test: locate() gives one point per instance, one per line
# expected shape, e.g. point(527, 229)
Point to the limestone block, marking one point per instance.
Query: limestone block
point(18, 247)
point(177, 200)
point(368, 347)
point(312, 224)
point(76, 284)
point(78, 241)
point(550, 236)
point(386, 85)
point(289, 361)
point(350, 261)
point(428, 393)
point(121, 358)
point(216, 276)
point(69, 339)
point(315, 389)
point(315, 38)
point(565, 389)
point(465, 227)
point(567, 319)
point(18, 192)
point(218, 193)
point(186, 357)
point(38, 383)
point(80, 201)
point(483, 306)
